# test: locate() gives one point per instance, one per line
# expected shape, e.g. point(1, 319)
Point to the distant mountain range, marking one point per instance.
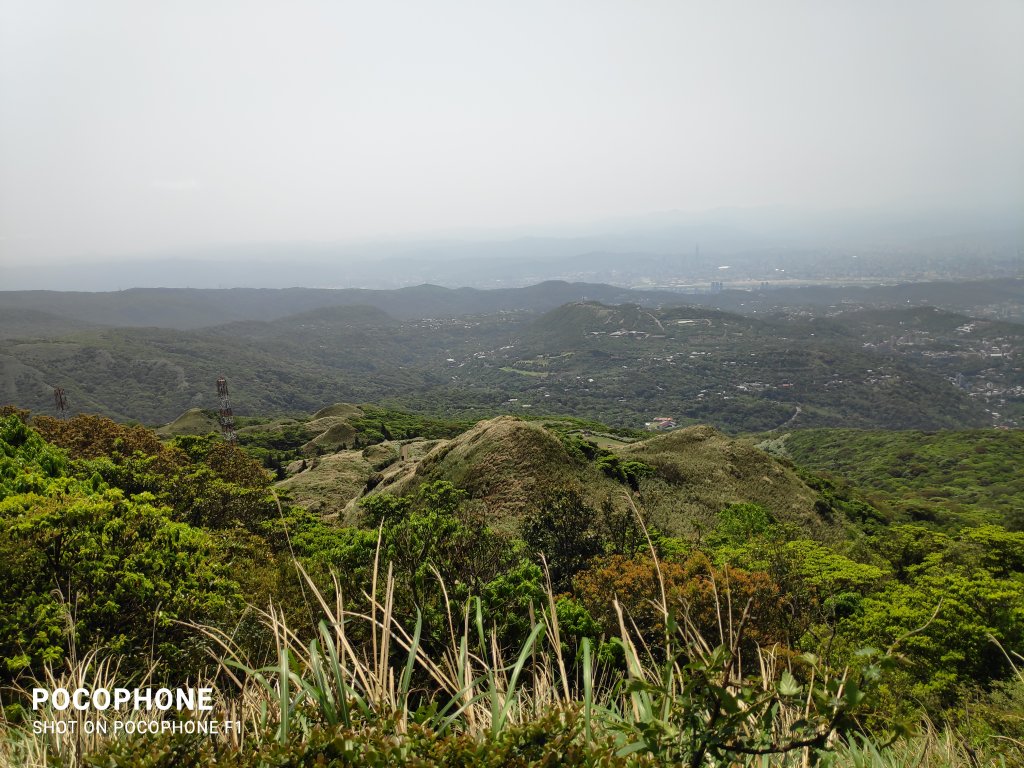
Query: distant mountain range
point(28, 313)
point(188, 308)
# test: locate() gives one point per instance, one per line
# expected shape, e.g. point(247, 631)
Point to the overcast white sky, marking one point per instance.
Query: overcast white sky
point(143, 125)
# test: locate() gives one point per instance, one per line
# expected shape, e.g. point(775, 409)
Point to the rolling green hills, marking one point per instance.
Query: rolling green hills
point(621, 364)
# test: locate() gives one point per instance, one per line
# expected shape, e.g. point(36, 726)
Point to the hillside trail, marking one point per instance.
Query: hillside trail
point(788, 422)
point(656, 321)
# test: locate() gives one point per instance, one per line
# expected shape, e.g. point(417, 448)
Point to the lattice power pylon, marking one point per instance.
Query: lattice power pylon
point(60, 402)
point(225, 416)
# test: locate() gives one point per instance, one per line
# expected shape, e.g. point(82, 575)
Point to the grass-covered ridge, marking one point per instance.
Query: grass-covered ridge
point(683, 479)
point(574, 632)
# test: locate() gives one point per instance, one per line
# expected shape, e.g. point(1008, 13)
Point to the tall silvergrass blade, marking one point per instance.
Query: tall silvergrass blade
point(386, 692)
point(513, 682)
point(284, 676)
point(271, 692)
point(464, 672)
point(447, 601)
point(462, 702)
point(264, 720)
point(489, 671)
point(329, 690)
point(406, 679)
point(452, 635)
point(497, 661)
point(373, 589)
point(443, 725)
point(344, 689)
point(319, 688)
point(478, 623)
point(635, 671)
point(556, 639)
point(668, 686)
point(588, 692)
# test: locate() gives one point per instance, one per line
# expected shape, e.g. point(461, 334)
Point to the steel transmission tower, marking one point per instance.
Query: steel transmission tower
point(225, 416)
point(60, 402)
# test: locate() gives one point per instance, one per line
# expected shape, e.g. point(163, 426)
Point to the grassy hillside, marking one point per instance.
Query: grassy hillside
point(700, 471)
point(333, 458)
point(506, 464)
point(194, 421)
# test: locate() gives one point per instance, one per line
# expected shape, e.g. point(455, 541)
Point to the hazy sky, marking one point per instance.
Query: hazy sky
point(149, 125)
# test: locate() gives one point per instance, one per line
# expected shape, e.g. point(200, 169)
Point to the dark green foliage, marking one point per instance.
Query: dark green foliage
point(283, 439)
point(575, 623)
point(944, 479)
point(554, 740)
point(626, 471)
point(956, 595)
point(510, 597)
point(275, 447)
point(738, 523)
point(564, 529)
point(580, 448)
point(379, 423)
point(838, 501)
point(88, 565)
point(436, 537)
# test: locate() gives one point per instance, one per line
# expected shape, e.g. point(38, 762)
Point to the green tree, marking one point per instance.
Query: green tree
point(109, 572)
point(564, 529)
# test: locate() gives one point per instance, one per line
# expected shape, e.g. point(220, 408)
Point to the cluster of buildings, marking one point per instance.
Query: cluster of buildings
point(661, 424)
